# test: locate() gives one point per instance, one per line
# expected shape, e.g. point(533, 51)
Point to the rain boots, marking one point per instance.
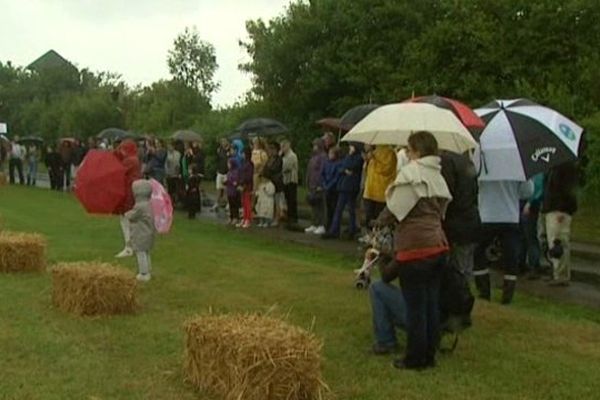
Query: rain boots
point(484, 286)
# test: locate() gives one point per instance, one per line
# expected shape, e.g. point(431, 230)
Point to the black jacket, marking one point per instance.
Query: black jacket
point(560, 189)
point(462, 221)
point(273, 171)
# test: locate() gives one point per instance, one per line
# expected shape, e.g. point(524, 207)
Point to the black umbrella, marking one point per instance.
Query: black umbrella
point(354, 115)
point(187, 136)
point(261, 127)
point(31, 140)
point(116, 134)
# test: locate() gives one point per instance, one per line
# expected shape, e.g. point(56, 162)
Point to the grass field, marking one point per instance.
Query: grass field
point(533, 350)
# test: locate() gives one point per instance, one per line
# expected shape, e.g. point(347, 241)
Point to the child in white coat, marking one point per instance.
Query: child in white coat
point(265, 202)
point(141, 221)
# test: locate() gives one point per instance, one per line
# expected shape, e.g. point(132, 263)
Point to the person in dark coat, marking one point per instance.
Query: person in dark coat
point(559, 206)
point(348, 188)
point(66, 154)
point(192, 192)
point(232, 182)
point(462, 221)
point(54, 166)
point(246, 188)
point(330, 176)
point(314, 184)
point(273, 171)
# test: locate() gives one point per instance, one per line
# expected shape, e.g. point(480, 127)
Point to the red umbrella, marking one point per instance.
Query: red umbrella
point(464, 113)
point(329, 123)
point(100, 182)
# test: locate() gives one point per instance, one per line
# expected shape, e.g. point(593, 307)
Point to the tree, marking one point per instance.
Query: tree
point(193, 62)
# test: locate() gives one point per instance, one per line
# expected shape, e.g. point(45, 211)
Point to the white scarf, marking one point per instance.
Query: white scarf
point(418, 179)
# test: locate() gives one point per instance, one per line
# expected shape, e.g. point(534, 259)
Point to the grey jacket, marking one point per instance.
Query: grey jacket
point(141, 217)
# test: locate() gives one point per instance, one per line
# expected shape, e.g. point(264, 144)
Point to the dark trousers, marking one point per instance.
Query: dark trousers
point(420, 282)
point(331, 198)
point(193, 202)
point(509, 237)
point(235, 202)
point(172, 182)
point(16, 163)
point(532, 252)
point(344, 199)
point(291, 198)
point(56, 179)
point(372, 211)
point(67, 172)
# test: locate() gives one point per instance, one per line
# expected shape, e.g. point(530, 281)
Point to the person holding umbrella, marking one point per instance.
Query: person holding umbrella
point(126, 153)
point(521, 139)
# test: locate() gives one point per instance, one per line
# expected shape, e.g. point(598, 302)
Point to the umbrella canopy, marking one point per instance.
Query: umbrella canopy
point(187, 136)
point(522, 139)
point(464, 113)
point(162, 207)
point(394, 123)
point(354, 115)
point(36, 140)
point(115, 134)
point(330, 123)
point(261, 127)
point(100, 182)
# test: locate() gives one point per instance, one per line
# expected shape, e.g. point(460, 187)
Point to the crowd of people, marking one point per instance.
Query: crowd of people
point(439, 210)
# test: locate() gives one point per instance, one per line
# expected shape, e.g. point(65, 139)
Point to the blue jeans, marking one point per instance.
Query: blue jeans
point(389, 312)
point(420, 281)
point(344, 199)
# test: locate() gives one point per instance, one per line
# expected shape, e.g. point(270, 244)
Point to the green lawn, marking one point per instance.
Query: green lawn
point(533, 350)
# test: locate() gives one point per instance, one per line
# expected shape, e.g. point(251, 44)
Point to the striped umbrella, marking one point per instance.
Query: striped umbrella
point(522, 139)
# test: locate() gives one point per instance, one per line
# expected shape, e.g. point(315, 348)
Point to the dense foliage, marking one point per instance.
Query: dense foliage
point(321, 57)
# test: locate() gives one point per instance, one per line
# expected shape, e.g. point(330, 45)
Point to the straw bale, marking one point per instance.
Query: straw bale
point(93, 289)
point(252, 357)
point(22, 252)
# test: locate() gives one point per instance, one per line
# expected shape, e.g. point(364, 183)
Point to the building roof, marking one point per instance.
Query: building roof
point(50, 59)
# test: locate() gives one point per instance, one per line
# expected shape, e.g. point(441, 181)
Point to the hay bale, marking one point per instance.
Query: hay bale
point(22, 252)
point(93, 289)
point(252, 357)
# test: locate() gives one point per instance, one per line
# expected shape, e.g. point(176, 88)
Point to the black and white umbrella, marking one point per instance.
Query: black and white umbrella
point(522, 139)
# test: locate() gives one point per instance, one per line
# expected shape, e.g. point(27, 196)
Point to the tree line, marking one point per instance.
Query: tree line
point(320, 57)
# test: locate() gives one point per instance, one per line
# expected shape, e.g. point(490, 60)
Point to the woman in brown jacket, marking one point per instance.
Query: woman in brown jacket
point(416, 202)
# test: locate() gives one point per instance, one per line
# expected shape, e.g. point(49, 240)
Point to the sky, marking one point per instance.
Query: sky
point(132, 37)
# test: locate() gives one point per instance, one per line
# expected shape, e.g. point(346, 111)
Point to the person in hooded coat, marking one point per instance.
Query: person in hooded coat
point(143, 231)
point(127, 155)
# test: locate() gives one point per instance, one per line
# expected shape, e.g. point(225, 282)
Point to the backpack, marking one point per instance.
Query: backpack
point(456, 303)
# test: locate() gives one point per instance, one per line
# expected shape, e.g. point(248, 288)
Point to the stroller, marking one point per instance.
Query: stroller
point(379, 244)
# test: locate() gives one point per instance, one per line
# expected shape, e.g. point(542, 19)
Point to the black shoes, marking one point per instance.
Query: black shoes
point(401, 364)
point(380, 350)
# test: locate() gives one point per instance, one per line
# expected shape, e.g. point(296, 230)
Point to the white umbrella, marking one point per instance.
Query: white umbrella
point(394, 123)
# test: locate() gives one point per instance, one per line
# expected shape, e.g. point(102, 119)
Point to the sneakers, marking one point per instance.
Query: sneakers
point(126, 252)
point(246, 225)
point(143, 277)
point(310, 229)
point(319, 230)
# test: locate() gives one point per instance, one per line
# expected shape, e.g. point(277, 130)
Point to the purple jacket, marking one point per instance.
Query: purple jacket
point(314, 170)
point(233, 180)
